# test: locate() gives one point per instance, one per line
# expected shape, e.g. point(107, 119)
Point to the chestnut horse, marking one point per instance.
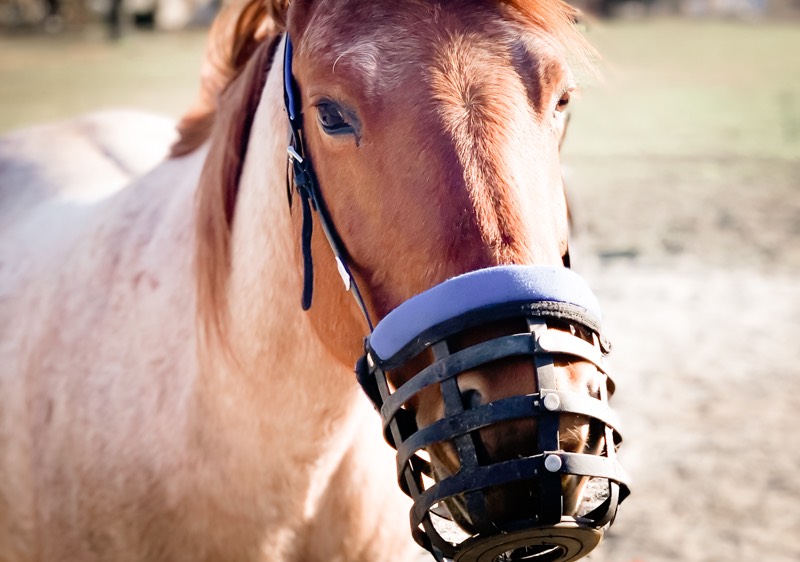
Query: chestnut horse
point(164, 395)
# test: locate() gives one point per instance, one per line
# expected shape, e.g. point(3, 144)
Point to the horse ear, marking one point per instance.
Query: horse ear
point(299, 11)
point(238, 30)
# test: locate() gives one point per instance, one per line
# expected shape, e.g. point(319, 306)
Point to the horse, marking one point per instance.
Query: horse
point(177, 354)
point(117, 146)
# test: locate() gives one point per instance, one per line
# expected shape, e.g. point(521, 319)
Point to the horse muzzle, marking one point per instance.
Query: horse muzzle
point(455, 516)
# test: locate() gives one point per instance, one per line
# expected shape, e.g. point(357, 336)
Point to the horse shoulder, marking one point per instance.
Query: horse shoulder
point(98, 363)
point(83, 158)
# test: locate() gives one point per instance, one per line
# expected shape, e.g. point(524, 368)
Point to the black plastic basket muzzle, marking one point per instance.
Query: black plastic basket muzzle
point(544, 297)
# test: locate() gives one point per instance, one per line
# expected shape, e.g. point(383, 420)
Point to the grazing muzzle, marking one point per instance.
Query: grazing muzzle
point(540, 298)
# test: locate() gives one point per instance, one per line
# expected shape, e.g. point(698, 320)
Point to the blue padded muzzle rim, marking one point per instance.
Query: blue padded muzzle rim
point(483, 288)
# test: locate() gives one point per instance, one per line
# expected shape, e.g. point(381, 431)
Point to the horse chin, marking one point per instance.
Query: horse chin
point(512, 503)
point(509, 505)
point(504, 504)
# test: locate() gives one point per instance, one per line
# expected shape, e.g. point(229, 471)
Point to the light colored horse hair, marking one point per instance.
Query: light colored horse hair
point(216, 195)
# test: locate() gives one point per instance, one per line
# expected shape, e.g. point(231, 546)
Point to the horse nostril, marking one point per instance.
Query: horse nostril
point(471, 399)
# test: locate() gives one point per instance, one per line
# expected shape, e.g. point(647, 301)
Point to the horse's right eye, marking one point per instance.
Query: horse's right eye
point(332, 119)
point(563, 102)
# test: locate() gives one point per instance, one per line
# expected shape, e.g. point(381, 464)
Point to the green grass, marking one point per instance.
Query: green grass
point(47, 78)
point(690, 88)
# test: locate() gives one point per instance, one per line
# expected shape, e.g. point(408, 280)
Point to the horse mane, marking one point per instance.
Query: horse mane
point(229, 125)
point(238, 30)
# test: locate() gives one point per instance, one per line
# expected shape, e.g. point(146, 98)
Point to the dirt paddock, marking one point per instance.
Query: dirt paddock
point(686, 187)
point(684, 176)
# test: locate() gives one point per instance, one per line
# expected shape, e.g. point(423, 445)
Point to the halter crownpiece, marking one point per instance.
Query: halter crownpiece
point(561, 319)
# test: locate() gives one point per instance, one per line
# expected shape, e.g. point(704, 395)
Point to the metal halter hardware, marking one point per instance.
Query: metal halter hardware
point(542, 297)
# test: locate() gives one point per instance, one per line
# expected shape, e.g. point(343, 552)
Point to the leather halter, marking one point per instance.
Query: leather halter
point(307, 187)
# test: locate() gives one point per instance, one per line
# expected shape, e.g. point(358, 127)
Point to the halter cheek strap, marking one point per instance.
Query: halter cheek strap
point(307, 187)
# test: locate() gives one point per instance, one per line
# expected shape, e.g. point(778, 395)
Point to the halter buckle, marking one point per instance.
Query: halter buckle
point(293, 154)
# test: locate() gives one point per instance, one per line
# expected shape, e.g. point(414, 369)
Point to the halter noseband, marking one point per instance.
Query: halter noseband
point(558, 310)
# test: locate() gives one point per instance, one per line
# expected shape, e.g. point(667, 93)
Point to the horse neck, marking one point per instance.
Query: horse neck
point(279, 365)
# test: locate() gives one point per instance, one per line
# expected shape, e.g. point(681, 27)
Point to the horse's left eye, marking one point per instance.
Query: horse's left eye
point(332, 120)
point(563, 102)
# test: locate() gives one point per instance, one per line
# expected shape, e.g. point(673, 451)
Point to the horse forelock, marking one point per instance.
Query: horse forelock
point(238, 30)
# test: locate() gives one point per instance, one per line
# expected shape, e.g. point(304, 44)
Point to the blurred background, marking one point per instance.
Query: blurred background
point(683, 170)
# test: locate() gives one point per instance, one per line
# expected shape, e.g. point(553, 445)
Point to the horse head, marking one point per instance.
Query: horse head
point(424, 167)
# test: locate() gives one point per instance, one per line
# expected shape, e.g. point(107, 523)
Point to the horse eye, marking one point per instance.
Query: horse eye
point(563, 102)
point(331, 119)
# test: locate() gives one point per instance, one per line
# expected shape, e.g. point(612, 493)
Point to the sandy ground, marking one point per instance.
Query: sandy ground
point(684, 176)
point(688, 228)
point(706, 360)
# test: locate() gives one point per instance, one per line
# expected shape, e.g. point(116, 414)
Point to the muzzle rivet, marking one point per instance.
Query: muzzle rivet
point(553, 463)
point(552, 402)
